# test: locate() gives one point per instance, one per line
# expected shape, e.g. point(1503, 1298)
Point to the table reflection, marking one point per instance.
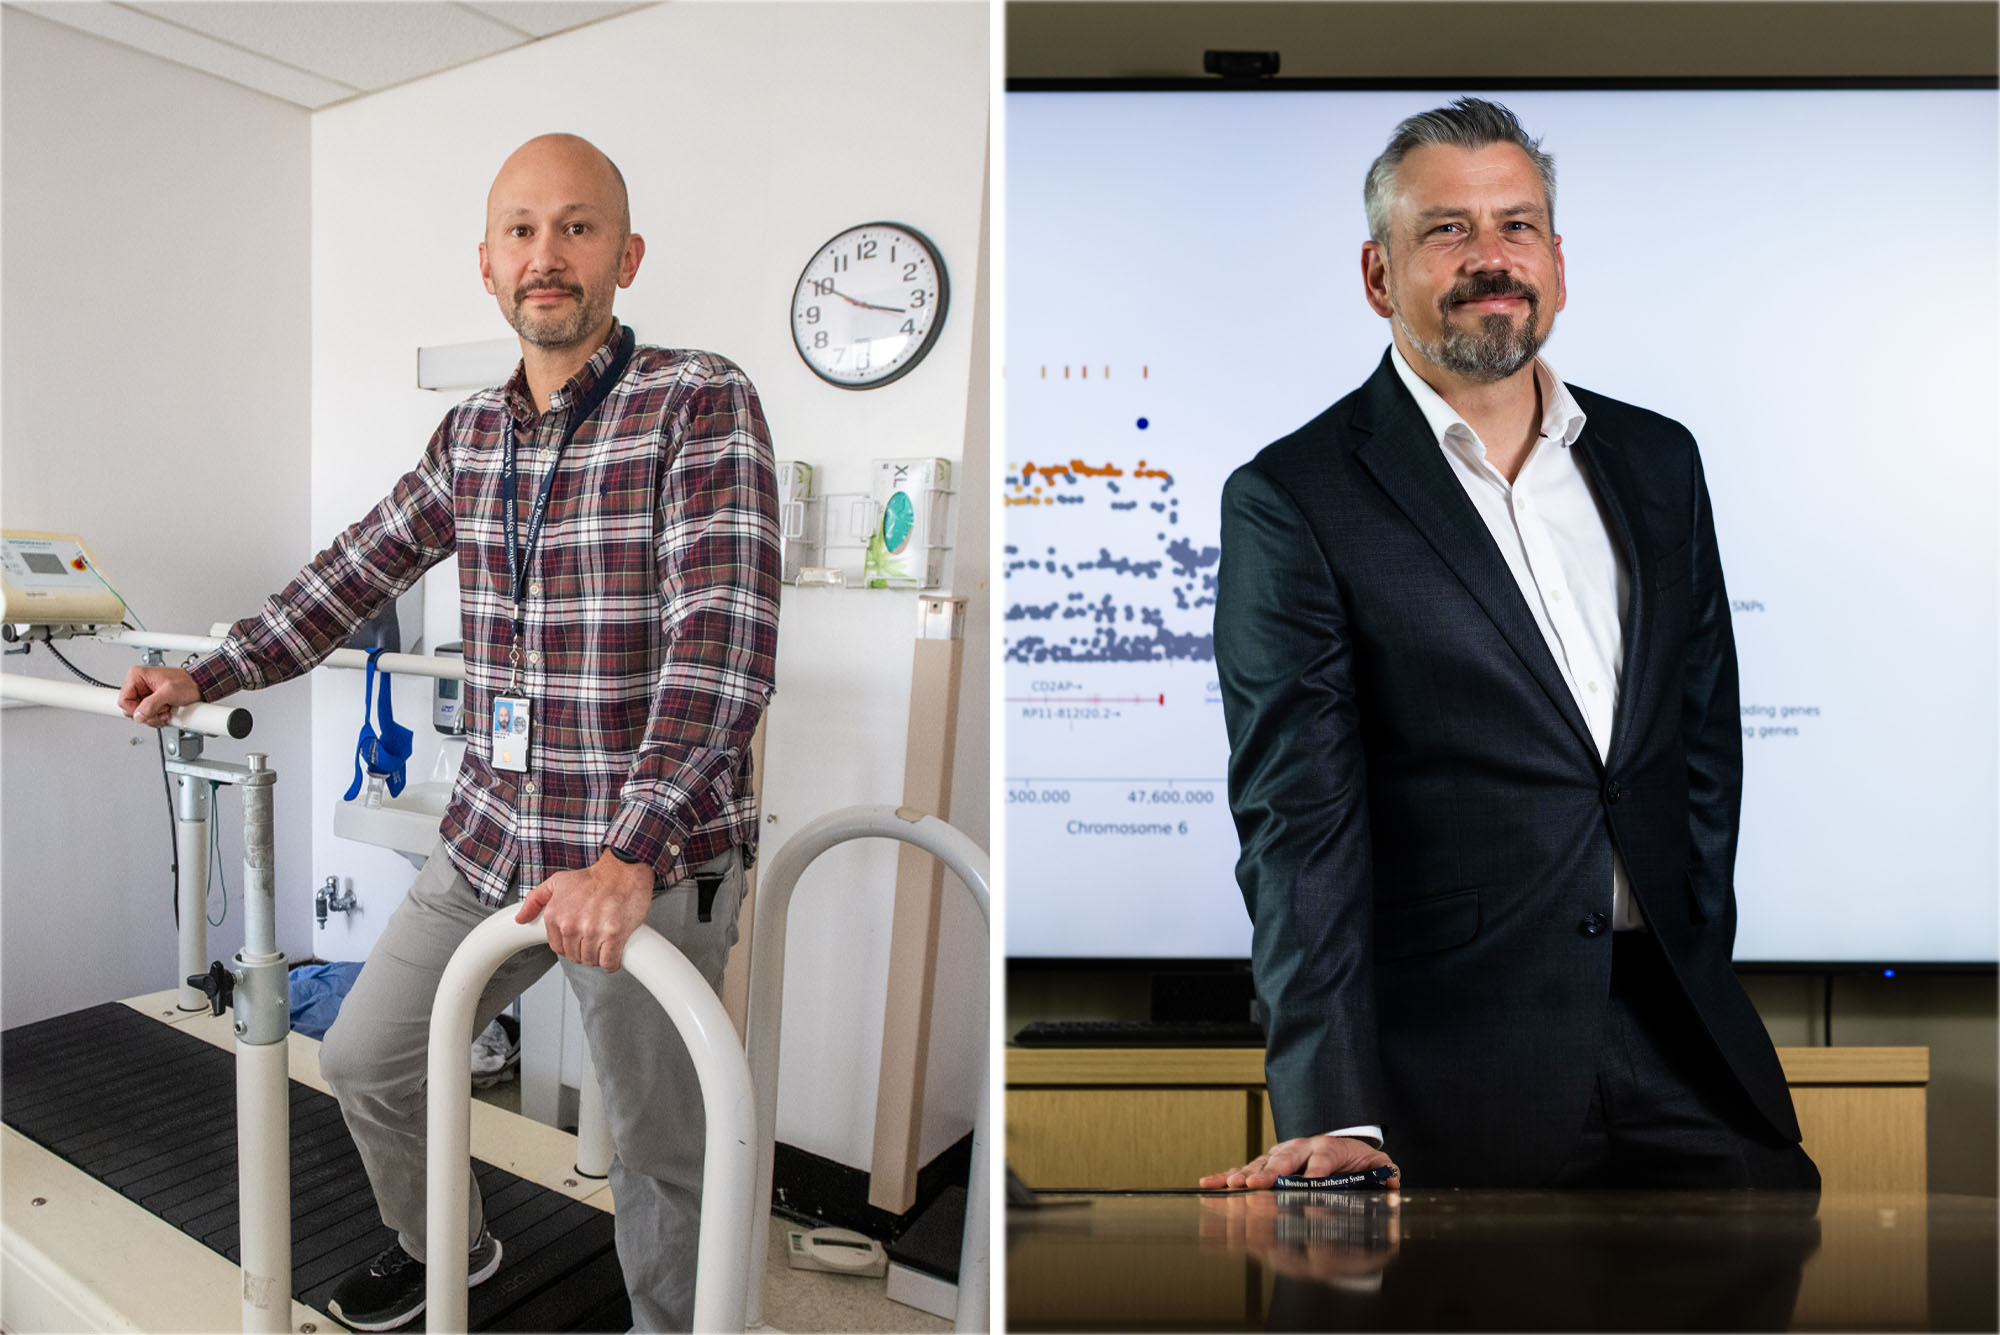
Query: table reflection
point(1503, 1260)
point(1344, 1240)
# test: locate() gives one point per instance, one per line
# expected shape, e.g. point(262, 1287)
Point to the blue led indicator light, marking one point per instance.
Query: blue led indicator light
point(1143, 424)
point(1888, 973)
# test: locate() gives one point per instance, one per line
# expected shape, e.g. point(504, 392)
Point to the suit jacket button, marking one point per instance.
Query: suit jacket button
point(1594, 925)
point(1613, 791)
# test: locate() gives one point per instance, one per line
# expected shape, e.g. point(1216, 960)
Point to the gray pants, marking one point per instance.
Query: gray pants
point(376, 1056)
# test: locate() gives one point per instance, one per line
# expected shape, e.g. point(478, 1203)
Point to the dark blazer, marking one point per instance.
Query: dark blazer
point(1426, 828)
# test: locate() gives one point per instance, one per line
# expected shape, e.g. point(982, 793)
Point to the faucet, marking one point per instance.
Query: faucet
point(332, 899)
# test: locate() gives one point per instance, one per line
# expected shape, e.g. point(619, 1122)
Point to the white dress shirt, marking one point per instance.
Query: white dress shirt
point(1558, 546)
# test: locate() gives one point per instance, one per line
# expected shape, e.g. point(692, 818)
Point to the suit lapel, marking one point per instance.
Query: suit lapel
point(1398, 449)
point(1618, 494)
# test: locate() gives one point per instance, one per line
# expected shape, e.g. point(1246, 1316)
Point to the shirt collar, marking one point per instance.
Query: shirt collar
point(521, 403)
point(1562, 416)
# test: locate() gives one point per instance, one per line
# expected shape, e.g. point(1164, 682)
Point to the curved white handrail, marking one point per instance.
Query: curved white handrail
point(729, 1165)
point(767, 982)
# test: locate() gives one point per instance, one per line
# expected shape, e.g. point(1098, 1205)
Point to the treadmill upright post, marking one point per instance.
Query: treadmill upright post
point(263, 1093)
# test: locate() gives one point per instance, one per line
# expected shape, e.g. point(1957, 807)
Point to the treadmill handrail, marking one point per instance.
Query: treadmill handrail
point(447, 667)
point(729, 1162)
point(763, 1025)
point(211, 720)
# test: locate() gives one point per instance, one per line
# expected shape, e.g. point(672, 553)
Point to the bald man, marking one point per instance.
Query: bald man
point(631, 622)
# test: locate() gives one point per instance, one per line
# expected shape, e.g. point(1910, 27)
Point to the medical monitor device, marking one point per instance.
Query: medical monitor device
point(51, 579)
point(1803, 275)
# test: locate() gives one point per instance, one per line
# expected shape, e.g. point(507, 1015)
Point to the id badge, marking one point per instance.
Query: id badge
point(510, 733)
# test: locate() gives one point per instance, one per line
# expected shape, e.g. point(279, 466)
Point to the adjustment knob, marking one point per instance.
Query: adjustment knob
point(218, 983)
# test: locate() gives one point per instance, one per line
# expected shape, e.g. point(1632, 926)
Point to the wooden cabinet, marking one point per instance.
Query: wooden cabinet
point(1161, 1117)
point(1862, 1114)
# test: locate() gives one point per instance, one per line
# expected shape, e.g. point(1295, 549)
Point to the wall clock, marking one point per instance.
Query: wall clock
point(869, 305)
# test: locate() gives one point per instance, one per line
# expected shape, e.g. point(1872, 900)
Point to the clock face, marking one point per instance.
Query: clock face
point(869, 305)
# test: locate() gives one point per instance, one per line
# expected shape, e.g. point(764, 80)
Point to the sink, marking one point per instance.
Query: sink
point(408, 823)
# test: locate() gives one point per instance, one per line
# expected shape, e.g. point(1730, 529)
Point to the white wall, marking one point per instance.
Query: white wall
point(155, 375)
point(749, 134)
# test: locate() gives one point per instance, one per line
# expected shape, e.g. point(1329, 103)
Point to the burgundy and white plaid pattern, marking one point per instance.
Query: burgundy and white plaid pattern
point(651, 615)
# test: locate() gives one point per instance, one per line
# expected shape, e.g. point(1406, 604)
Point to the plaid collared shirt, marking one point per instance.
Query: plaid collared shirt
point(651, 615)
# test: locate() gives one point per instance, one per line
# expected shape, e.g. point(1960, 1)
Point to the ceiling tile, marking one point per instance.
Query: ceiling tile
point(129, 27)
point(356, 42)
point(543, 18)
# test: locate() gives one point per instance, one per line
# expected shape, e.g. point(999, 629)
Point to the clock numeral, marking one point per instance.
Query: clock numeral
point(819, 339)
point(822, 287)
point(864, 250)
point(812, 315)
point(839, 264)
point(910, 327)
point(917, 298)
point(892, 254)
point(910, 272)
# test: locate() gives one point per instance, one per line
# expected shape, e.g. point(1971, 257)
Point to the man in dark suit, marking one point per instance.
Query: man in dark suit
point(1485, 758)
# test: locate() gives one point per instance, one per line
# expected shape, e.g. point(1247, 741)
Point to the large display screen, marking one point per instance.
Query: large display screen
point(1805, 278)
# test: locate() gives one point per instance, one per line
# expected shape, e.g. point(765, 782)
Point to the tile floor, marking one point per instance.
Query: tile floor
point(801, 1301)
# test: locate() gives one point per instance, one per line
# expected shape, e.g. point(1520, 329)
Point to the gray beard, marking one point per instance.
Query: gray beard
point(1493, 353)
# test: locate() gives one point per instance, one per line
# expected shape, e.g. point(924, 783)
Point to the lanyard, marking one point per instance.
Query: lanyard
point(521, 555)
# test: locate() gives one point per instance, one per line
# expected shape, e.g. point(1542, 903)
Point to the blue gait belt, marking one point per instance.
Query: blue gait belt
point(384, 752)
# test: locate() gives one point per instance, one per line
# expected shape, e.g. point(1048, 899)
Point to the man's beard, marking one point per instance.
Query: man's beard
point(554, 331)
point(1495, 349)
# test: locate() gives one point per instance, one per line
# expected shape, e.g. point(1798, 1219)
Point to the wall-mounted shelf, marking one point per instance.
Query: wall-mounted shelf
point(461, 366)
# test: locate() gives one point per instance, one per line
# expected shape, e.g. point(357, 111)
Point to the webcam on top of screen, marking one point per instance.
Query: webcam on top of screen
point(1241, 64)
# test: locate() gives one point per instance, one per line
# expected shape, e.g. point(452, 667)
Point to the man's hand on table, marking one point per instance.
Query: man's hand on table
point(1312, 1156)
point(590, 914)
point(150, 695)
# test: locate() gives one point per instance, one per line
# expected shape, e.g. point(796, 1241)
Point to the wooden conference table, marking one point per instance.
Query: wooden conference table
point(1873, 1253)
point(1502, 1260)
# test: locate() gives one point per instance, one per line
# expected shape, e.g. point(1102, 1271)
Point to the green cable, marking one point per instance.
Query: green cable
point(114, 593)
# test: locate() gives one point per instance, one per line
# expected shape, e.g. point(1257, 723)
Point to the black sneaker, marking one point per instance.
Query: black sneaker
point(389, 1291)
point(496, 1053)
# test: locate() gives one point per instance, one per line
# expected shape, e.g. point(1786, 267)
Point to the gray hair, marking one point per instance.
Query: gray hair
point(1468, 123)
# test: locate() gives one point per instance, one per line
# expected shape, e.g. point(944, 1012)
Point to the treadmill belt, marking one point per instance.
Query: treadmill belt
point(151, 1112)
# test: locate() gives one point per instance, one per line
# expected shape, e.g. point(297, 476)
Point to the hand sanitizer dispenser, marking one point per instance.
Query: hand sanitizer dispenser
point(448, 697)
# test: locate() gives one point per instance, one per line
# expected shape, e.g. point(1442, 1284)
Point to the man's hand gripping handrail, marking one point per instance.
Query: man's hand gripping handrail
point(729, 1164)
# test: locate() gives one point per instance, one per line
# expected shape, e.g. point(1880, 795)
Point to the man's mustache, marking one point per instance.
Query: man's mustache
point(1480, 287)
point(547, 285)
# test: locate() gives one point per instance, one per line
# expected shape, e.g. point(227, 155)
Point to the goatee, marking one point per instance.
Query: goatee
point(553, 331)
point(1495, 348)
